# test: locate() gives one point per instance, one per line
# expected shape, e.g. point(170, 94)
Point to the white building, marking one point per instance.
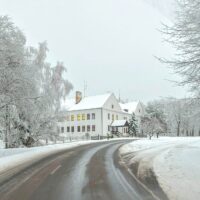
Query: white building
point(94, 115)
point(136, 107)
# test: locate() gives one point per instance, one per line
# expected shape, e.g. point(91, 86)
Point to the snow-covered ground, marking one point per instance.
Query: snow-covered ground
point(174, 161)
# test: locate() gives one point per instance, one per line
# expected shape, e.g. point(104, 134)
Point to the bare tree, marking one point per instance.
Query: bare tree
point(152, 125)
point(181, 115)
point(184, 35)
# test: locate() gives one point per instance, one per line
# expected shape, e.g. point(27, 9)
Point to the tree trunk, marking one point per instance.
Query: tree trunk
point(193, 132)
point(178, 129)
point(7, 133)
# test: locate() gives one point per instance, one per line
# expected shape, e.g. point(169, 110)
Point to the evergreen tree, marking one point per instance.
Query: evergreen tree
point(132, 129)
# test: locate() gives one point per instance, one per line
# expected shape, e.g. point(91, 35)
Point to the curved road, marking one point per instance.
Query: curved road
point(89, 172)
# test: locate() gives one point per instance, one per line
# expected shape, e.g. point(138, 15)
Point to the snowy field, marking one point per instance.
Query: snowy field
point(174, 161)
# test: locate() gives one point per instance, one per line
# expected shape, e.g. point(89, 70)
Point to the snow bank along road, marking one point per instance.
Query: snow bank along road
point(173, 163)
point(88, 172)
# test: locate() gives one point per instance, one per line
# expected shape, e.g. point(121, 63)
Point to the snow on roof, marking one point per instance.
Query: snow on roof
point(91, 102)
point(131, 106)
point(119, 123)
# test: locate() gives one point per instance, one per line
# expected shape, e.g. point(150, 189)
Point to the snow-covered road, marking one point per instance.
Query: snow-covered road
point(174, 161)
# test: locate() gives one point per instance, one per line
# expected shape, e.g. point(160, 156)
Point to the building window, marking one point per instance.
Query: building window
point(83, 128)
point(113, 117)
point(72, 129)
point(88, 128)
point(112, 106)
point(115, 129)
point(78, 117)
point(93, 128)
point(108, 116)
point(116, 117)
point(83, 116)
point(93, 115)
point(78, 129)
point(68, 117)
point(72, 117)
point(68, 129)
point(88, 116)
point(108, 128)
point(62, 130)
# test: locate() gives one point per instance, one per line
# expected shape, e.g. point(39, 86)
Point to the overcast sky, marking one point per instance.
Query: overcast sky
point(111, 44)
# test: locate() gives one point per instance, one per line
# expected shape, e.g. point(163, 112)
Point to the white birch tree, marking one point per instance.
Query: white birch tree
point(30, 90)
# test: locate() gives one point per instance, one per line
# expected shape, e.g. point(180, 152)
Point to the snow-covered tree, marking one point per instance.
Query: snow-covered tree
point(155, 121)
point(151, 125)
point(52, 87)
point(60, 87)
point(184, 35)
point(133, 127)
point(13, 73)
point(181, 115)
point(30, 90)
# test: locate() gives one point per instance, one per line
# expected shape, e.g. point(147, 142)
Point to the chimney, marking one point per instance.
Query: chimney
point(78, 96)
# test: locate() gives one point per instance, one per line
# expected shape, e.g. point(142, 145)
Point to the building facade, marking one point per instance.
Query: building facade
point(93, 116)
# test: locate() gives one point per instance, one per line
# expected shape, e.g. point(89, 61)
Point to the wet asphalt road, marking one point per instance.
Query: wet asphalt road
point(89, 172)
